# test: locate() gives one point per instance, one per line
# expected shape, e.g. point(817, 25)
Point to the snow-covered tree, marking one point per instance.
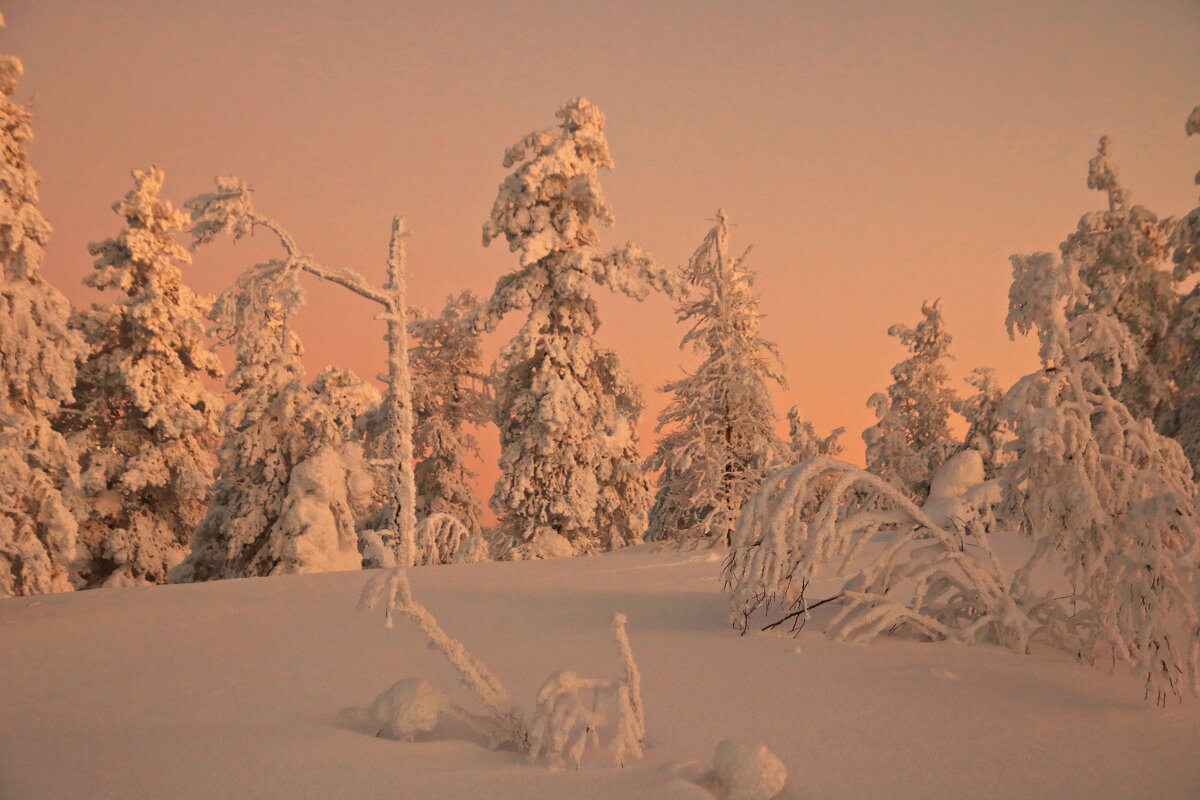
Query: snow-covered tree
point(571, 474)
point(987, 431)
point(803, 441)
point(448, 394)
point(38, 359)
point(1182, 345)
point(230, 211)
point(721, 439)
point(290, 484)
point(1122, 254)
point(1110, 507)
point(142, 423)
point(1098, 490)
point(262, 444)
point(912, 437)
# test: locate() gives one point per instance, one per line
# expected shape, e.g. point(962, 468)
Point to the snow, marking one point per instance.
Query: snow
point(747, 772)
point(234, 688)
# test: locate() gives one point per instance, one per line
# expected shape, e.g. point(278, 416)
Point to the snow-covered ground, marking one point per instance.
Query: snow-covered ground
point(234, 689)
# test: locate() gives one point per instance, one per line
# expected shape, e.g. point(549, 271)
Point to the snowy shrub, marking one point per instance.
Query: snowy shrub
point(722, 438)
point(571, 714)
point(803, 441)
point(905, 569)
point(443, 539)
point(566, 410)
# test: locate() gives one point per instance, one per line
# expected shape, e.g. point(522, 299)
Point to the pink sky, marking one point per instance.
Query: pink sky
point(876, 154)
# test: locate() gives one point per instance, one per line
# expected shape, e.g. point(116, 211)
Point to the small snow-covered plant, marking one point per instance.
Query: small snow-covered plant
point(720, 438)
point(929, 570)
point(505, 726)
point(571, 714)
point(574, 713)
point(442, 539)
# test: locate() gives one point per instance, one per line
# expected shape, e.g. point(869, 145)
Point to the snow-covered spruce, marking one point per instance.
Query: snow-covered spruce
point(567, 411)
point(1099, 491)
point(803, 441)
point(38, 359)
point(142, 423)
point(230, 211)
point(449, 393)
point(1182, 346)
point(261, 502)
point(987, 431)
point(1122, 254)
point(721, 436)
point(912, 437)
point(572, 713)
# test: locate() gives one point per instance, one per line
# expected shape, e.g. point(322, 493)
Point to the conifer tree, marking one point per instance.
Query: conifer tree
point(804, 442)
point(273, 511)
point(1098, 490)
point(448, 394)
point(571, 476)
point(987, 431)
point(261, 444)
point(722, 439)
point(912, 438)
point(1183, 339)
point(1121, 255)
point(142, 422)
point(38, 359)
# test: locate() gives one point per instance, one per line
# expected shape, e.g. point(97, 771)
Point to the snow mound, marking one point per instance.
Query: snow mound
point(410, 706)
point(746, 772)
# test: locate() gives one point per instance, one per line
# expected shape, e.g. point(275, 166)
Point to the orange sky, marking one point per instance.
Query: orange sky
point(876, 154)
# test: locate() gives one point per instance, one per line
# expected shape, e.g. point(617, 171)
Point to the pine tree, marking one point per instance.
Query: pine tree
point(1182, 346)
point(1121, 255)
point(38, 359)
point(723, 437)
point(142, 422)
point(803, 441)
point(566, 410)
point(912, 438)
point(448, 394)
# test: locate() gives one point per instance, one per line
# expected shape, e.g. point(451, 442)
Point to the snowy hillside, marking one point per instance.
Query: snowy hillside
point(235, 689)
